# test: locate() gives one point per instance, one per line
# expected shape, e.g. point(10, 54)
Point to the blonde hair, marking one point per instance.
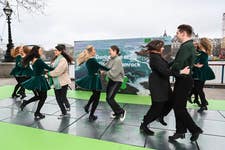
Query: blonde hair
point(206, 44)
point(84, 55)
point(26, 50)
point(15, 51)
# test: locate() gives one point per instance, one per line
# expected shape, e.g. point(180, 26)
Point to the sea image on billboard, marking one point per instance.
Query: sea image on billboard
point(136, 66)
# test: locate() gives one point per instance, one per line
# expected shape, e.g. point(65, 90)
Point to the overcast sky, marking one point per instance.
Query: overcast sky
point(73, 20)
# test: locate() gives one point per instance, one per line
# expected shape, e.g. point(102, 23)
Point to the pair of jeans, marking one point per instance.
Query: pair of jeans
point(111, 91)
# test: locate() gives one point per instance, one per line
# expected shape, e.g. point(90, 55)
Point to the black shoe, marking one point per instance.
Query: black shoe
point(38, 116)
point(161, 120)
point(177, 136)
point(146, 130)
point(23, 96)
point(195, 136)
point(93, 118)
point(86, 108)
point(23, 105)
point(202, 109)
point(15, 96)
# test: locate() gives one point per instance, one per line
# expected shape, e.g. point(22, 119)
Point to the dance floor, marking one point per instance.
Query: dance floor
point(19, 131)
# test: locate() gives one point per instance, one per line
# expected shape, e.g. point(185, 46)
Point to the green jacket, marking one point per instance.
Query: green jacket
point(205, 72)
point(184, 57)
point(38, 81)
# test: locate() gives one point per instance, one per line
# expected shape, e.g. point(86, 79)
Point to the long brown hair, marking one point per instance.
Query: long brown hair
point(155, 45)
point(84, 55)
point(62, 48)
point(206, 44)
point(16, 51)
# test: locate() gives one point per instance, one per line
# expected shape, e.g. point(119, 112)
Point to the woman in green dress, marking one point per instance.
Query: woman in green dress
point(202, 71)
point(16, 71)
point(26, 72)
point(92, 81)
point(37, 82)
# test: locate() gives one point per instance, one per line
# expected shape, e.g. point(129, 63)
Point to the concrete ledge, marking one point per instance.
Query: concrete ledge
point(5, 69)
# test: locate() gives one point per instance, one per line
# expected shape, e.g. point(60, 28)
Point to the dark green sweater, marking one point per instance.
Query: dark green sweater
point(184, 57)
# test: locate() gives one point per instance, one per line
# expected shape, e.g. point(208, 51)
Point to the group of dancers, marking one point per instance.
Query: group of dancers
point(190, 69)
point(30, 71)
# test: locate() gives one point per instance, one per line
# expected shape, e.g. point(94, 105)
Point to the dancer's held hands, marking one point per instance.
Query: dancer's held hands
point(186, 70)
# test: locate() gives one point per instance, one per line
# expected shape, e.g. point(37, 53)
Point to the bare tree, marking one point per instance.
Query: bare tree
point(31, 6)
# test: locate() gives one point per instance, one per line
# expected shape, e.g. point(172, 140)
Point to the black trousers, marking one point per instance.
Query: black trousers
point(181, 91)
point(94, 100)
point(41, 96)
point(61, 98)
point(111, 91)
point(198, 90)
point(154, 112)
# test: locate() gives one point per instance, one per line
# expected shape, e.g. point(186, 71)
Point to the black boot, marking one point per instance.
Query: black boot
point(38, 116)
point(93, 118)
point(86, 108)
point(145, 129)
point(23, 105)
point(195, 135)
point(161, 120)
point(202, 108)
point(177, 136)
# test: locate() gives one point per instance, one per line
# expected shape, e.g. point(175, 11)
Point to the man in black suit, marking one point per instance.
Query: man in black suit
point(183, 84)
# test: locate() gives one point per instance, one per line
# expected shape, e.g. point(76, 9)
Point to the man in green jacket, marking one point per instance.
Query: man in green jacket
point(183, 84)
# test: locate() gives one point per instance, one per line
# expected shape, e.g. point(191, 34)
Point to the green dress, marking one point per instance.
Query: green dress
point(92, 81)
point(27, 71)
point(205, 72)
point(38, 80)
point(16, 71)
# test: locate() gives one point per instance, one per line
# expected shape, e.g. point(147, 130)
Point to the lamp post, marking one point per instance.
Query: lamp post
point(8, 12)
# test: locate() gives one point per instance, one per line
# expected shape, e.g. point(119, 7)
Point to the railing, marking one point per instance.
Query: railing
point(218, 69)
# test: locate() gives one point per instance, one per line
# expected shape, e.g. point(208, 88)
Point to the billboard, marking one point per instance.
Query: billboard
point(136, 66)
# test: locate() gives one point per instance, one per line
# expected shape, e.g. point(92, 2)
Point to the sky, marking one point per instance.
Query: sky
point(75, 20)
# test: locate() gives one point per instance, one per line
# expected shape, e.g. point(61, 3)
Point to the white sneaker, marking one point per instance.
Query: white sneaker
point(64, 116)
point(123, 115)
point(112, 115)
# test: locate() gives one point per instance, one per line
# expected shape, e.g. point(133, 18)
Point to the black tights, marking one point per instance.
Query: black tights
point(94, 100)
point(41, 96)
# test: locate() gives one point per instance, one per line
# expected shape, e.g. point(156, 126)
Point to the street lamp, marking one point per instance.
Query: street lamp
point(8, 12)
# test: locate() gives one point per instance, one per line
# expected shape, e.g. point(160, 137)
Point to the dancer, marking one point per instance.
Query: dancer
point(26, 72)
point(196, 45)
point(60, 78)
point(202, 71)
point(16, 71)
point(92, 81)
point(159, 85)
point(37, 82)
point(115, 76)
point(183, 84)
